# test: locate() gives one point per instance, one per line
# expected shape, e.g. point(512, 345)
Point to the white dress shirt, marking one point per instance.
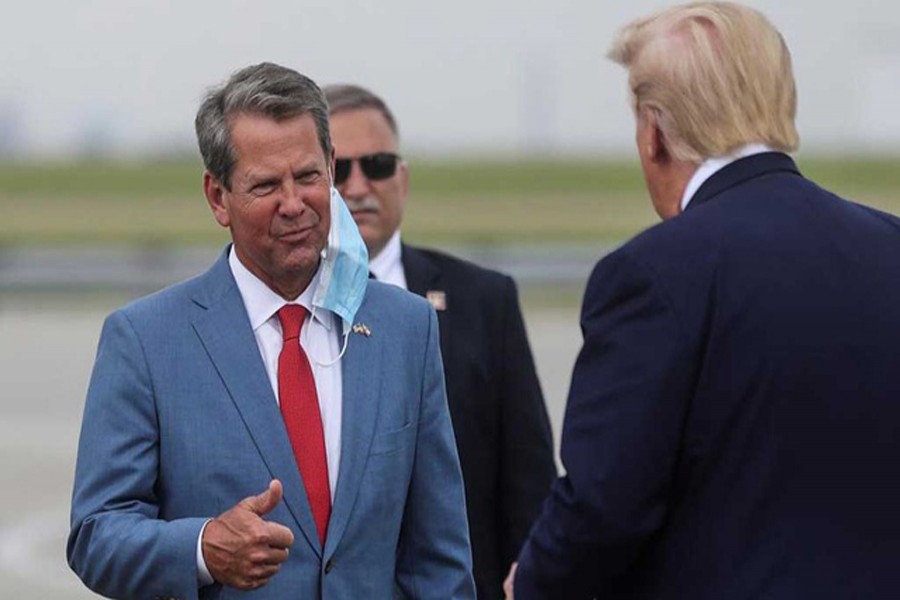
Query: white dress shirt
point(387, 266)
point(711, 166)
point(319, 338)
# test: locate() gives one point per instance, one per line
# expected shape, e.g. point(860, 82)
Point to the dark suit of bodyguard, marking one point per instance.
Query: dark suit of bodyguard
point(732, 426)
point(501, 426)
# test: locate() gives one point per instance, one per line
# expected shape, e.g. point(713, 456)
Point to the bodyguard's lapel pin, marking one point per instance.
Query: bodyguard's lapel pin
point(437, 298)
point(363, 329)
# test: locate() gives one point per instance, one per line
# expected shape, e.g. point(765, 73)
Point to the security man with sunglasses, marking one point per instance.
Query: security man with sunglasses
point(497, 408)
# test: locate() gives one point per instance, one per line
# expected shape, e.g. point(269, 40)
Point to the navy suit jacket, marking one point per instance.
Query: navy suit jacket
point(501, 425)
point(181, 423)
point(733, 425)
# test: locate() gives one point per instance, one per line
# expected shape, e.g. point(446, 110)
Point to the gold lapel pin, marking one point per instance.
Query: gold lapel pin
point(363, 329)
point(437, 298)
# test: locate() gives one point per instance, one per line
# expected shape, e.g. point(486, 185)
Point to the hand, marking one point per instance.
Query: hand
point(241, 549)
point(508, 583)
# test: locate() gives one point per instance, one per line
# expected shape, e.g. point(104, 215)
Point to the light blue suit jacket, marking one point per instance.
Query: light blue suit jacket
point(180, 424)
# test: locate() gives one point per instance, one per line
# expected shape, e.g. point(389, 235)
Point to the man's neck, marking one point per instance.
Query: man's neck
point(712, 165)
point(387, 265)
point(289, 290)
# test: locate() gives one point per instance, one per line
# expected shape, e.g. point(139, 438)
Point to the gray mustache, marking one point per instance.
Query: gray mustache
point(368, 203)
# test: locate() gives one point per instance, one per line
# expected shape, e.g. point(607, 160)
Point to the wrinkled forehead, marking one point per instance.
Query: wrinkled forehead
point(362, 131)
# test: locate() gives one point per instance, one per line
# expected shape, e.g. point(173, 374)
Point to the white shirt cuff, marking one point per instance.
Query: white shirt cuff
point(203, 575)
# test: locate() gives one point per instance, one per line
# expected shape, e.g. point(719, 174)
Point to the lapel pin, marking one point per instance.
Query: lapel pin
point(363, 329)
point(437, 299)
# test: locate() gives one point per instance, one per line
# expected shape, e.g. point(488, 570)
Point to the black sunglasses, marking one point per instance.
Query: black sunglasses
point(376, 167)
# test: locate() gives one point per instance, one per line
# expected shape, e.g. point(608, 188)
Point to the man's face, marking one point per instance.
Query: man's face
point(377, 205)
point(278, 206)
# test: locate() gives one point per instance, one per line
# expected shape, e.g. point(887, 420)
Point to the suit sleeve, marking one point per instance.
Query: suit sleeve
point(118, 545)
point(620, 441)
point(434, 558)
point(527, 467)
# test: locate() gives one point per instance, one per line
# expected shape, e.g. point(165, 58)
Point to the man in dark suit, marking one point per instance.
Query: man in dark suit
point(496, 405)
point(732, 425)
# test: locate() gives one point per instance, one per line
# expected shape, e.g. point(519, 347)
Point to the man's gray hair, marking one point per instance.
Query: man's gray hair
point(345, 97)
point(267, 90)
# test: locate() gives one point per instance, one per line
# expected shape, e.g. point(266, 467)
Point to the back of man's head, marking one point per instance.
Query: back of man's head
point(718, 76)
point(267, 90)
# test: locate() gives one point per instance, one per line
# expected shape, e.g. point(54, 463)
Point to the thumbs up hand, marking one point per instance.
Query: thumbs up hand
point(266, 502)
point(241, 549)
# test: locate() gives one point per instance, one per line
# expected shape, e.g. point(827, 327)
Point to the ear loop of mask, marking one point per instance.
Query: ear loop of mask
point(330, 363)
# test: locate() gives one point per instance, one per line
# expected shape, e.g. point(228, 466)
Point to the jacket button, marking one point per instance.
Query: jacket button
point(329, 565)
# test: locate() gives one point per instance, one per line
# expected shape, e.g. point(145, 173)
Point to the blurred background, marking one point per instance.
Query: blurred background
point(516, 129)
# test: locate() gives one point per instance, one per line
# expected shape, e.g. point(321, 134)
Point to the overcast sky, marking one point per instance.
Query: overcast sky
point(490, 76)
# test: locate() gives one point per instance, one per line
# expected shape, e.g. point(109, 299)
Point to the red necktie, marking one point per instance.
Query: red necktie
point(300, 409)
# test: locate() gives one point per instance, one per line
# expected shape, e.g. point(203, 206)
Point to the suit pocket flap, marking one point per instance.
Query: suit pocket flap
point(391, 441)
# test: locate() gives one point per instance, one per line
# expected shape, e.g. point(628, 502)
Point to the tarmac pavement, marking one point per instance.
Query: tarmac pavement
point(46, 353)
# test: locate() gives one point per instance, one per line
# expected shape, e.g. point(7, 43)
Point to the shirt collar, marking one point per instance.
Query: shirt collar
point(710, 166)
point(388, 259)
point(261, 302)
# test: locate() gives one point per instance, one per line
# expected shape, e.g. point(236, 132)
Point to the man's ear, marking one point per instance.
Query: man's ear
point(331, 166)
point(215, 196)
point(653, 141)
point(404, 179)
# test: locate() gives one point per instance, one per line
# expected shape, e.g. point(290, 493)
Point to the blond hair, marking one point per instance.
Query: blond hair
point(716, 74)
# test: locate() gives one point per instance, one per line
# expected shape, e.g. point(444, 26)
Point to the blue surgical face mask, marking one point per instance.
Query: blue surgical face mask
point(344, 273)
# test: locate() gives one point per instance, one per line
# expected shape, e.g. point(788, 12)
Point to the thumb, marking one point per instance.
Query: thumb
point(267, 501)
point(509, 583)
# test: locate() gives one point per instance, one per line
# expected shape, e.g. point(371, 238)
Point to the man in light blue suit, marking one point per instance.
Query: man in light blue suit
point(189, 414)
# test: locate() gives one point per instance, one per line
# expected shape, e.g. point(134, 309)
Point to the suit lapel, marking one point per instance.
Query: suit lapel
point(423, 276)
point(421, 273)
point(360, 369)
point(225, 332)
